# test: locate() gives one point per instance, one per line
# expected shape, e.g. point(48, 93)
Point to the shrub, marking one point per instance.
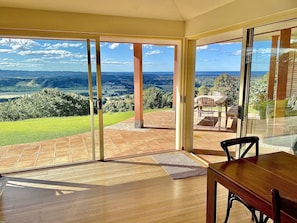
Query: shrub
point(48, 102)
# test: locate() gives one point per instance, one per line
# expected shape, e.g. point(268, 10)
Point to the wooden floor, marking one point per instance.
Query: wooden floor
point(127, 190)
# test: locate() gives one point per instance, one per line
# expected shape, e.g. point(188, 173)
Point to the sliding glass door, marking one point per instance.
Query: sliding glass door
point(46, 102)
point(217, 78)
point(272, 91)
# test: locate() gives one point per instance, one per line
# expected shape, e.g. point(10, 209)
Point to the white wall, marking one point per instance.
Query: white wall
point(87, 23)
point(238, 14)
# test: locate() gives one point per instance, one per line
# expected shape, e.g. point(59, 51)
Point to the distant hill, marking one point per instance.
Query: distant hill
point(14, 82)
point(114, 83)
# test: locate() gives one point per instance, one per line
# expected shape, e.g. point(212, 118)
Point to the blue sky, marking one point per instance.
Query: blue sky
point(61, 55)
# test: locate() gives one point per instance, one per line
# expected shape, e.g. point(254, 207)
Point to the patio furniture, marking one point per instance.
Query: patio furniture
point(284, 204)
point(233, 114)
point(252, 178)
point(206, 112)
point(246, 144)
point(219, 102)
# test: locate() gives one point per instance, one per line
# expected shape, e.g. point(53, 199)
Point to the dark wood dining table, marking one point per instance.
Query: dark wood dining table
point(252, 179)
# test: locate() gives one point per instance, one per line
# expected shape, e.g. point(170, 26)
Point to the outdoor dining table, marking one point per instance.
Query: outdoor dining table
point(252, 179)
point(219, 100)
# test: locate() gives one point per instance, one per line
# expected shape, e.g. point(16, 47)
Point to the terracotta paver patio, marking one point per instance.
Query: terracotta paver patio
point(120, 140)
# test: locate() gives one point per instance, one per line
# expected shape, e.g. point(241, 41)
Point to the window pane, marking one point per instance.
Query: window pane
point(272, 110)
point(45, 108)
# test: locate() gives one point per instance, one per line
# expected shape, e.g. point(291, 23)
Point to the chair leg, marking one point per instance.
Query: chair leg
point(229, 205)
point(263, 218)
point(255, 218)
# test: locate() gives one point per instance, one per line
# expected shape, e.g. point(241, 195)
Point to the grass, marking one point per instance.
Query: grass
point(33, 130)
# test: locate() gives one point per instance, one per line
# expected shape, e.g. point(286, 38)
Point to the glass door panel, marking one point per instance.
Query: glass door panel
point(121, 87)
point(217, 77)
point(44, 103)
point(272, 110)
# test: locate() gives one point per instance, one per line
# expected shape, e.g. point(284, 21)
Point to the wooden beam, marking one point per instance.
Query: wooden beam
point(138, 85)
point(272, 67)
point(283, 64)
point(282, 77)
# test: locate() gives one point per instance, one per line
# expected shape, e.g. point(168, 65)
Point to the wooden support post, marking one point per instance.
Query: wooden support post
point(272, 67)
point(138, 85)
point(281, 91)
point(283, 65)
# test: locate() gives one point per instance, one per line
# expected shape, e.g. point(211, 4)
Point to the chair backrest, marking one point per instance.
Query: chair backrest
point(245, 143)
point(205, 101)
point(285, 204)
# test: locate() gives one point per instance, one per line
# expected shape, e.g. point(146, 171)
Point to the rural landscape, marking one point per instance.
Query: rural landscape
point(44, 96)
point(66, 93)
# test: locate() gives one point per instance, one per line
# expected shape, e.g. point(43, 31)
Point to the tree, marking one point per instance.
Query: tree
point(258, 95)
point(203, 90)
point(154, 97)
point(227, 85)
point(49, 102)
point(119, 104)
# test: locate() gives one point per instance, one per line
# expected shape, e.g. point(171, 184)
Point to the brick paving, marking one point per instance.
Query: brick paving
point(120, 140)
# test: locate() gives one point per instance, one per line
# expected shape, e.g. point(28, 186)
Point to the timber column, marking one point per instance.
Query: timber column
point(281, 91)
point(272, 67)
point(138, 85)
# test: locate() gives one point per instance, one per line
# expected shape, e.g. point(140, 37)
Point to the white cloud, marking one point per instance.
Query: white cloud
point(7, 64)
point(46, 53)
point(5, 51)
point(18, 44)
point(35, 60)
point(110, 61)
point(200, 48)
point(63, 45)
point(153, 52)
point(113, 46)
point(102, 44)
point(117, 62)
point(224, 43)
point(147, 46)
point(131, 47)
point(236, 53)
point(149, 63)
point(73, 62)
point(45, 45)
point(262, 50)
point(6, 59)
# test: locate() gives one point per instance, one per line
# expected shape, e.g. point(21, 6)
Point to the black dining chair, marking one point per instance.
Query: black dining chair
point(247, 146)
point(284, 204)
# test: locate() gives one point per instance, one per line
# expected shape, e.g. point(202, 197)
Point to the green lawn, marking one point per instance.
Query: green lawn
point(33, 130)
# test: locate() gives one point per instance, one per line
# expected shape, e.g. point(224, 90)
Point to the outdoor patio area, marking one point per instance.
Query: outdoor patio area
point(120, 140)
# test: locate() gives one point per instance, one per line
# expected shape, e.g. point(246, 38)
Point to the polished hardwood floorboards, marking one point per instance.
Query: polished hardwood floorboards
point(127, 190)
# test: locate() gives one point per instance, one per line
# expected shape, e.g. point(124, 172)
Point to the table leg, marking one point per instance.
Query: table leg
point(226, 110)
point(211, 197)
point(219, 116)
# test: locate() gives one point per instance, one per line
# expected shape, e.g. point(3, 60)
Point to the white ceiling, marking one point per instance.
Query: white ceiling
point(180, 10)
